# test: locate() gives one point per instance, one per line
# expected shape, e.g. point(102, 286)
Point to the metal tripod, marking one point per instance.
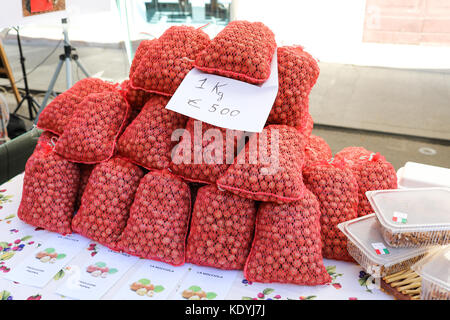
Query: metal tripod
point(33, 106)
point(67, 58)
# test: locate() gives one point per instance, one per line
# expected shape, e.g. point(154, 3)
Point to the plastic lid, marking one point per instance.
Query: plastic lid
point(412, 209)
point(418, 175)
point(436, 267)
point(365, 233)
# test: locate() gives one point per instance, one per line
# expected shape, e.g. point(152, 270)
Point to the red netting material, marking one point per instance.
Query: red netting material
point(57, 113)
point(46, 139)
point(136, 98)
point(140, 53)
point(372, 172)
point(336, 190)
point(242, 50)
point(106, 201)
point(91, 134)
point(85, 173)
point(147, 140)
point(287, 246)
point(309, 125)
point(169, 59)
point(221, 229)
point(201, 155)
point(159, 219)
point(49, 190)
point(269, 168)
point(297, 73)
point(317, 149)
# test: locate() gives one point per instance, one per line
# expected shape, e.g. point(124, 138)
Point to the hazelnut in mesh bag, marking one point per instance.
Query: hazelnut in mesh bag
point(147, 140)
point(372, 172)
point(141, 50)
point(49, 190)
point(317, 149)
point(269, 168)
point(167, 60)
point(242, 50)
point(85, 173)
point(287, 246)
point(221, 230)
point(91, 135)
point(297, 73)
point(57, 113)
point(309, 125)
point(136, 98)
point(336, 190)
point(159, 219)
point(205, 152)
point(106, 201)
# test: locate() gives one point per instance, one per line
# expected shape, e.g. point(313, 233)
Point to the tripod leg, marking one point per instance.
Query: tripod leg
point(68, 73)
point(83, 69)
point(20, 103)
point(50, 87)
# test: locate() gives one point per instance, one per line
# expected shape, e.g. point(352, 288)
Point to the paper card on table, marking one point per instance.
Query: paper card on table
point(153, 280)
point(226, 102)
point(91, 280)
point(205, 283)
point(56, 252)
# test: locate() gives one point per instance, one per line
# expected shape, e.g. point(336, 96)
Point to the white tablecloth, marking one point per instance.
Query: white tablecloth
point(349, 281)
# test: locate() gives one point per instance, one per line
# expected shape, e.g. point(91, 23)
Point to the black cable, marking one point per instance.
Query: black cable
point(42, 62)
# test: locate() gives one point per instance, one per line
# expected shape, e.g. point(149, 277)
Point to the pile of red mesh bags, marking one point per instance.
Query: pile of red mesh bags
point(317, 149)
point(168, 59)
point(49, 189)
point(147, 140)
point(287, 246)
point(159, 219)
point(57, 113)
point(204, 152)
point(221, 229)
point(269, 168)
point(372, 172)
point(91, 134)
point(242, 50)
point(106, 201)
point(297, 73)
point(336, 190)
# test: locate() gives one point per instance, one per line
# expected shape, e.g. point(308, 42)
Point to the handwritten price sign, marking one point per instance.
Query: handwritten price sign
point(226, 102)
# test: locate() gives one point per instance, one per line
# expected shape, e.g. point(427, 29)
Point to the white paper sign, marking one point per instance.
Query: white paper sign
point(225, 102)
point(94, 278)
point(153, 280)
point(205, 283)
point(39, 268)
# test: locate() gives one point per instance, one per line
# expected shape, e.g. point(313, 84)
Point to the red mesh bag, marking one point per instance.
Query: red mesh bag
point(336, 190)
point(242, 50)
point(159, 219)
point(372, 172)
point(91, 134)
point(136, 98)
point(168, 60)
point(309, 125)
point(297, 73)
point(57, 113)
point(49, 190)
point(269, 168)
point(46, 139)
point(207, 156)
point(147, 140)
point(141, 51)
point(85, 173)
point(221, 229)
point(106, 201)
point(287, 246)
point(317, 149)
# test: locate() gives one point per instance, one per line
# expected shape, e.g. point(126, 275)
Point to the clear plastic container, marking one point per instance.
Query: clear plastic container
point(413, 217)
point(418, 175)
point(435, 273)
point(366, 245)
